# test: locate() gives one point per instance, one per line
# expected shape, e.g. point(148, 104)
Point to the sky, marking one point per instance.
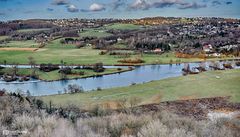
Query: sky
point(59, 9)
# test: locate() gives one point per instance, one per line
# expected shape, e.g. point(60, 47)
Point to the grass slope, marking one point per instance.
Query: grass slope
point(94, 33)
point(120, 26)
point(54, 53)
point(3, 37)
point(32, 30)
point(21, 44)
point(184, 87)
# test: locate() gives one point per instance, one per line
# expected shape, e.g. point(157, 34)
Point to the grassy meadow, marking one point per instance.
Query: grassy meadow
point(207, 84)
point(120, 26)
point(86, 55)
point(20, 44)
point(32, 30)
point(54, 52)
point(94, 33)
point(102, 31)
point(3, 37)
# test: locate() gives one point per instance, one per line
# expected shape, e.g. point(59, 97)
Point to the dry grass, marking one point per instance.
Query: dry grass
point(18, 49)
point(38, 123)
point(121, 125)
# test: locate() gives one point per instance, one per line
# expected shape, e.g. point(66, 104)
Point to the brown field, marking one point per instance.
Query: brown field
point(18, 49)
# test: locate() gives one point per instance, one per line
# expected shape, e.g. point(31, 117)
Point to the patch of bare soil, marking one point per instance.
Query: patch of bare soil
point(111, 105)
point(18, 49)
point(195, 108)
point(187, 97)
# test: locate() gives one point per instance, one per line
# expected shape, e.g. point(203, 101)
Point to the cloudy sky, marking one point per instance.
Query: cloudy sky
point(32, 9)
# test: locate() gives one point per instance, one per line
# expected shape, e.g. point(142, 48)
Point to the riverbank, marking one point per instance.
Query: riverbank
point(122, 65)
point(55, 75)
point(207, 84)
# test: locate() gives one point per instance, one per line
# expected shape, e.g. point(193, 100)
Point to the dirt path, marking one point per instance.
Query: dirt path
point(18, 49)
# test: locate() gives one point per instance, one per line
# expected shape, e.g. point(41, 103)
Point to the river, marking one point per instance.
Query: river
point(140, 74)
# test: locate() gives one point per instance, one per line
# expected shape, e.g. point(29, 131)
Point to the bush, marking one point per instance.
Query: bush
point(66, 70)
point(98, 67)
point(132, 61)
point(38, 103)
point(103, 53)
point(48, 67)
point(74, 88)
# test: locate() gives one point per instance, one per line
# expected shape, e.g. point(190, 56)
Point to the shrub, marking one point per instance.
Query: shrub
point(74, 88)
point(95, 126)
point(98, 111)
point(132, 61)
point(98, 67)
point(133, 101)
point(64, 129)
point(119, 69)
point(66, 70)
point(48, 67)
point(103, 53)
point(38, 103)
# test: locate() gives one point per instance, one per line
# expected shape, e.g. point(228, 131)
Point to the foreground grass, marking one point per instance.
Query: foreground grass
point(72, 122)
point(184, 87)
point(54, 75)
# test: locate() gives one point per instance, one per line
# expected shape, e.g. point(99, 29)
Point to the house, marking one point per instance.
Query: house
point(119, 39)
point(157, 50)
point(216, 55)
point(207, 48)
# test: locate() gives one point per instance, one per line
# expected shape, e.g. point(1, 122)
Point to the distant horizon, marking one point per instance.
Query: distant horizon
point(117, 9)
point(238, 18)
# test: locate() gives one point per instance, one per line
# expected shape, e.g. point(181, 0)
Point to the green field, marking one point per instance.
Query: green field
point(207, 84)
point(32, 30)
point(54, 53)
point(54, 75)
point(55, 44)
point(21, 44)
point(120, 26)
point(3, 37)
point(94, 33)
point(102, 31)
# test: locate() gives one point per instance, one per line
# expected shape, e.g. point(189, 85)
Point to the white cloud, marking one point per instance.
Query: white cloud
point(72, 8)
point(147, 4)
point(96, 7)
point(140, 4)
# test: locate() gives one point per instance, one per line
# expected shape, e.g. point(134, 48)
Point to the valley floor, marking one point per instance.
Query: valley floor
point(207, 84)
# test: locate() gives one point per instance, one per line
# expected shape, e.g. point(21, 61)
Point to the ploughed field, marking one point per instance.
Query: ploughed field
point(207, 84)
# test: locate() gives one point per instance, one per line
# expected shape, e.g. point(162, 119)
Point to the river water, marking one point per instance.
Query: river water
point(139, 75)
